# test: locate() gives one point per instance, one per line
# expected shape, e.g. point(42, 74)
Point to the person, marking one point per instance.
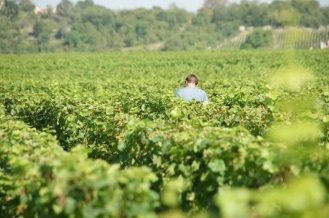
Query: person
point(191, 91)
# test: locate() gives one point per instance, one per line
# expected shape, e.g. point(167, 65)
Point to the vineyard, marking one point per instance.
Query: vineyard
point(102, 135)
point(288, 38)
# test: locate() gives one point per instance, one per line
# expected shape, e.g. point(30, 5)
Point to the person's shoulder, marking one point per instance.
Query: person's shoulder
point(202, 91)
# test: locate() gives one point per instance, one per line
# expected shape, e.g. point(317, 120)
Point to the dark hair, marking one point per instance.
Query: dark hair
point(192, 78)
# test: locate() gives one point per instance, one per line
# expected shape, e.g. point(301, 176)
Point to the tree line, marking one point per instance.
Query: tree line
point(86, 26)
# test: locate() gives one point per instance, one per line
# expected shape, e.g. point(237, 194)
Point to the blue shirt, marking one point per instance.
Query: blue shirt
point(192, 93)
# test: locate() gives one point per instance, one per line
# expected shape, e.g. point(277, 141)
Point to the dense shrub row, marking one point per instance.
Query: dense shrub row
point(39, 179)
point(262, 128)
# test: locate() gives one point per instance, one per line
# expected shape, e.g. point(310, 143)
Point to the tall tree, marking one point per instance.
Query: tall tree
point(65, 8)
point(215, 3)
point(26, 5)
point(42, 33)
point(309, 11)
point(85, 4)
point(11, 9)
point(282, 13)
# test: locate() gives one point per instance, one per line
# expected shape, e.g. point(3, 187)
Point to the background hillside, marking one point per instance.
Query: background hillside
point(85, 26)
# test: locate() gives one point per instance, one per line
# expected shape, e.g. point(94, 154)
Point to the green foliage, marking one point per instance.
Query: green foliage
point(304, 197)
point(86, 26)
point(38, 178)
point(65, 9)
point(309, 15)
point(10, 9)
point(26, 6)
point(258, 39)
point(105, 137)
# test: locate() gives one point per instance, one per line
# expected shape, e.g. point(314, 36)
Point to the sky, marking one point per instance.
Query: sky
point(190, 5)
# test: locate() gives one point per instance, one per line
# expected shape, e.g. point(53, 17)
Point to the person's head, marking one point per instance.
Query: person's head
point(191, 80)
